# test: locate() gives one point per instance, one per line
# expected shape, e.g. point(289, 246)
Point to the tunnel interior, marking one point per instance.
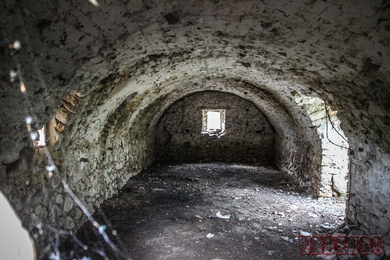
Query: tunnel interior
point(121, 85)
point(246, 135)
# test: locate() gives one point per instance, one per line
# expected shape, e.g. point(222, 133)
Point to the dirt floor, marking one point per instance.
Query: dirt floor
point(170, 212)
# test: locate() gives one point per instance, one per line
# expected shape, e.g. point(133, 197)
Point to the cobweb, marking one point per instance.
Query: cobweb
point(103, 242)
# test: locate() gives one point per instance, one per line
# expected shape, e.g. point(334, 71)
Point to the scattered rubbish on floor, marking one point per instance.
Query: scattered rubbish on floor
point(222, 216)
point(193, 179)
point(197, 216)
point(285, 238)
point(303, 233)
point(326, 226)
point(185, 215)
point(209, 235)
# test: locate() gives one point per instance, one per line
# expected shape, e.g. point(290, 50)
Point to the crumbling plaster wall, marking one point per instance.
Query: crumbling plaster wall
point(147, 50)
point(248, 136)
point(334, 146)
point(369, 202)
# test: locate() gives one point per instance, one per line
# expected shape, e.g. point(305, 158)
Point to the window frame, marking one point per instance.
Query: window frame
point(213, 132)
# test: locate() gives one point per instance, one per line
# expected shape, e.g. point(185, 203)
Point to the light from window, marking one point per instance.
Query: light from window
point(213, 120)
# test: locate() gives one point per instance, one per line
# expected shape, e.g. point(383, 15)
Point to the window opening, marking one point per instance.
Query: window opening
point(213, 122)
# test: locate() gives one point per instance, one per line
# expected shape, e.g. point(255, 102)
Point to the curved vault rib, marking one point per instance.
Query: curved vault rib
point(339, 49)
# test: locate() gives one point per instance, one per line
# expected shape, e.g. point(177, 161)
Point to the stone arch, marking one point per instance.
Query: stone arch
point(121, 52)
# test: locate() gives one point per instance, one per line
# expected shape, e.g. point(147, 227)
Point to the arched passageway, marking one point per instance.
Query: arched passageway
point(107, 73)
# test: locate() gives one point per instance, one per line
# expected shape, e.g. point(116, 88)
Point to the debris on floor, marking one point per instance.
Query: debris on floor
point(174, 212)
point(222, 216)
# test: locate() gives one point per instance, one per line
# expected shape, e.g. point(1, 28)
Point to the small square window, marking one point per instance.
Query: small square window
point(213, 121)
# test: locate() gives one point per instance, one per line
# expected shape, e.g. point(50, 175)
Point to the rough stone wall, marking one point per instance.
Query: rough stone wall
point(101, 147)
point(74, 45)
point(334, 146)
point(298, 150)
point(340, 49)
point(369, 199)
point(249, 137)
point(335, 158)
